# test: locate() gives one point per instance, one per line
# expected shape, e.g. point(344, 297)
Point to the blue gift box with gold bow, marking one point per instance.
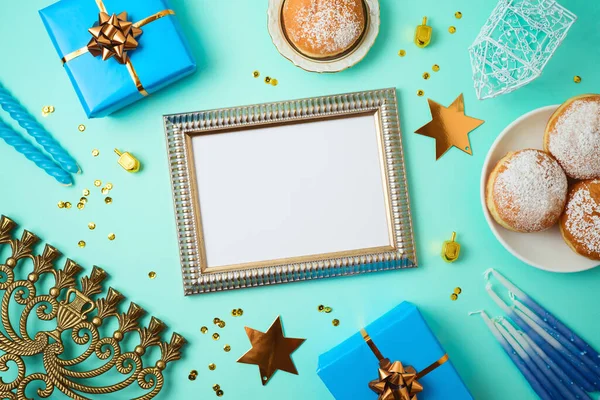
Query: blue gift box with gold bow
point(116, 52)
point(396, 357)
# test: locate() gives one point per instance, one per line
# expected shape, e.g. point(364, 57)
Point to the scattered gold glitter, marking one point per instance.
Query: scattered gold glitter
point(204, 329)
point(328, 310)
point(426, 75)
point(267, 79)
point(192, 377)
point(453, 296)
point(234, 312)
point(420, 93)
point(109, 186)
point(216, 387)
point(458, 15)
point(220, 393)
point(92, 226)
point(577, 79)
point(83, 200)
point(86, 192)
point(240, 312)
point(108, 200)
point(216, 320)
point(81, 127)
point(457, 290)
point(95, 152)
point(402, 53)
point(227, 348)
point(321, 307)
point(51, 109)
point(97, 182)
point(111, 236)
point(81, 243)
point(435, 68)
point(67, 204)
point(335, 322)
point(212, 366)
point(151, 274)
point(105, 190)
point(215, 336)
point(46, 110)
point(274, 82)
point(221, 324)
point(256, 74)
point(61, 204)
point(452, 29)
point(80, 205)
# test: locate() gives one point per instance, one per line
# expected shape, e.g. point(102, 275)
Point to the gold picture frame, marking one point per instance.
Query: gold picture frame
point(181, 133)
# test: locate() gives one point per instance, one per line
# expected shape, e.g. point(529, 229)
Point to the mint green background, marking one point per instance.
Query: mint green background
point(229, 39)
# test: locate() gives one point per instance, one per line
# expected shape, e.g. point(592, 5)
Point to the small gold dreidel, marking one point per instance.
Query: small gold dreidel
point(423, 34)
point(128, 161)
point(451, 249)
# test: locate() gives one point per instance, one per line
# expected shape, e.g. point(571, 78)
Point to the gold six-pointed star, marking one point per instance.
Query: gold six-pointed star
point(271, 351)
point(449, 126)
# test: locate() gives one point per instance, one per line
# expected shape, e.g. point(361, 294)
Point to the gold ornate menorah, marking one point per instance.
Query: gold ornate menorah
point(73, 314)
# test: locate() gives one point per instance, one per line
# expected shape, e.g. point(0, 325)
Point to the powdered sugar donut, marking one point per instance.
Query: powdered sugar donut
point(526, 191)
point(573, 136)
point(323, 28)
point(580, 223)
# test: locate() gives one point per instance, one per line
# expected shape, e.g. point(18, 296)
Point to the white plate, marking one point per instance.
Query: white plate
point(545, 250)
point(311, 65)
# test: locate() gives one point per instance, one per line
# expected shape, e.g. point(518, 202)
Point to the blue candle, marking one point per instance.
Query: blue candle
point(516, 359)
point(34, 154)
point(41, 135)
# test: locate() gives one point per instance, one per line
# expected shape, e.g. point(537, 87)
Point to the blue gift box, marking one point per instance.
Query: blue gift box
point(161, 58)
point(401, 335)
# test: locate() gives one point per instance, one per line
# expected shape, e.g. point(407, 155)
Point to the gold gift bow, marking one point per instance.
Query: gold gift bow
point(128, 64)
point(395, 381)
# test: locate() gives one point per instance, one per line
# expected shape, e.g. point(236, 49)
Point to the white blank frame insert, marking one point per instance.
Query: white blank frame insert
point(290, 191)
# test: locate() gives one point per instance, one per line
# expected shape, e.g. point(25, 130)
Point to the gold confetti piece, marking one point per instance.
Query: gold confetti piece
point(453, 297)
point(105, 190)
point(234, 312)
point(51, 109)
point(108, 200)
point(335, 322)
point(458, 15)
point(80, 205)
point(67, 204)
point(321, 307)
point(256, 74)
point(220, 393)
point(61, 204)
point(426, 75)
point(452, 29)
point(274, 82)
point(212, 366)
point(86, 192)
point(435, 68)
point(95, 152)
point(81, 127)
point(111, 236)
point(457, 290)
point(267, 79)
point(215, 336)
point(216, 387)
point(193, 372)
point(402, 53)
point(420, 93)
point(92, 226)
point(45, 109)
point(109, 186)
point(221, 324)
point(204, 329)
point(83, 200)
point(240, 312)
point(81, 243)
point(97, 182)
point(216, 320)
point(328, 310)
point(151, 274)
point(192, 377)
point(577, 79)
point(227, 348)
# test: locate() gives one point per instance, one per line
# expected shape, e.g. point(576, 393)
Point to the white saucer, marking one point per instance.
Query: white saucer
point(311, 65)
point(544, 250)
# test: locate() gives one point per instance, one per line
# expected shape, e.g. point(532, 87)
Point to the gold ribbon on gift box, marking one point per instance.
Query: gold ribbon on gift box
point(395, 381)
point(114, 36)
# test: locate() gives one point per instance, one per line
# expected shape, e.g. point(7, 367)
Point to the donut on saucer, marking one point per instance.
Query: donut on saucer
point(323, 28)
point(572, 136)
point(526, 191)
point(580, 223)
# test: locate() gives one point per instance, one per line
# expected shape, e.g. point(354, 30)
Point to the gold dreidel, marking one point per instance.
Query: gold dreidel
point(423, 34)
point(128, 161)
point(451, 249)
